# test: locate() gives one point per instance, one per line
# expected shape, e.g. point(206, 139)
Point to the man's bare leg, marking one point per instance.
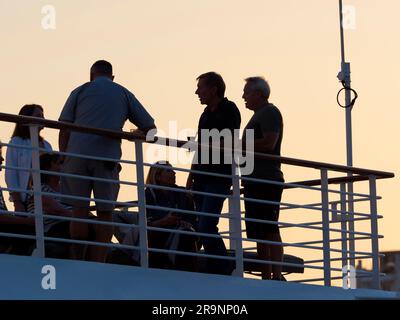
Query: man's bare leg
point(79, 231)
point(263, 253)
point(103, 234)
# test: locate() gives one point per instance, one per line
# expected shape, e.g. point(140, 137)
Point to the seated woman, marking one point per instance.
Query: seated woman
point(10, 223)
point(19, 155)
point(158, 218)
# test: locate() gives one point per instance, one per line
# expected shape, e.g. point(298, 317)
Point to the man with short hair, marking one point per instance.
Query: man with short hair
point(267, 126)
point(219, 115)
point(100, 103)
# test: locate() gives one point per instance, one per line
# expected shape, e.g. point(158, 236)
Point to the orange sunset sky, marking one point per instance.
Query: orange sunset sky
point(158, 48)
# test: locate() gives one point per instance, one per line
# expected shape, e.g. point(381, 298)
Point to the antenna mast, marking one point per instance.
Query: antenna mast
point(344, 77)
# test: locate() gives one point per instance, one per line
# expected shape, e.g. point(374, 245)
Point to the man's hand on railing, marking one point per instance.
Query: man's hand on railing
point(138, 132)
point(145, 133)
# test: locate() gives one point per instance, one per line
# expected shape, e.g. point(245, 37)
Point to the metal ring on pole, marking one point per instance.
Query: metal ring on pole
point(352, 102)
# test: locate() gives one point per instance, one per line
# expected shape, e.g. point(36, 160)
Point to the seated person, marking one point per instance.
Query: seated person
point(20, 155)
point(10, 223)
point(169, 219)
point(51, 204)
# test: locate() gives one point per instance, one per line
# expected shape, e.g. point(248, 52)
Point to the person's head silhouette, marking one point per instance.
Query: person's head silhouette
point(101, 68)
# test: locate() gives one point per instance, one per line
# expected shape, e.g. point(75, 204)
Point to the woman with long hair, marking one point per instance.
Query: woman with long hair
point(163, 175)
point(19, 155)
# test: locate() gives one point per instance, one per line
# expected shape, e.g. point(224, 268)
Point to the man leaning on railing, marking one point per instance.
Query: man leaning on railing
point(100, 103)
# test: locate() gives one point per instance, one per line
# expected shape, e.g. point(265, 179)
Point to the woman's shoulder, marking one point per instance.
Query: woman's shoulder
point(19, 140)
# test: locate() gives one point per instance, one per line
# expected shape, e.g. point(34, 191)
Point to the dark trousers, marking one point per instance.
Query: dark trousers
point(187, 243)
point(208, 224)
point(19, 246)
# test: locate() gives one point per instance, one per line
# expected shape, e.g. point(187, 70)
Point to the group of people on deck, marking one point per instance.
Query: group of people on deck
point(102, 103)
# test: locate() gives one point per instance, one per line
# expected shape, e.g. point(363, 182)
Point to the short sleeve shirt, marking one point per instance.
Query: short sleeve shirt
point(225, 116)
point(48, 222)
point(267, 119)
point(102, 104)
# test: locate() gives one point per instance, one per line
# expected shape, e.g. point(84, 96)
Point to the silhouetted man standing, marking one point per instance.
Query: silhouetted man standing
point(220, 114)
point(267, 126)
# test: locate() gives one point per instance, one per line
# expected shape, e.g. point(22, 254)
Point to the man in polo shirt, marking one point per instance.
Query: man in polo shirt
point(220, 114)
point(100, 103)
point(267, 124)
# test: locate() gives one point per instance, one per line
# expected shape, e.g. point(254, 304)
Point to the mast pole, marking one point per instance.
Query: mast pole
point(344, 77)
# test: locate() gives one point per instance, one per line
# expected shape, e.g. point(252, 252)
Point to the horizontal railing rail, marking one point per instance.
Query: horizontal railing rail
point(181, 144)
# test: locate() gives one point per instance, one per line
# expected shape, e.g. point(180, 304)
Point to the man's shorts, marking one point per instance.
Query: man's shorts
point(262, 211)
point(72, 186)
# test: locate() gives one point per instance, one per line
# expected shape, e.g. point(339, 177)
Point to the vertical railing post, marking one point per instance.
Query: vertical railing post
point(374, 233)
point(351, 228)
point(334, 210)
point(37, 192)
point(235, 217)
point(343, 222)
point(325, 227)
point(231, 224)
point(144, 262)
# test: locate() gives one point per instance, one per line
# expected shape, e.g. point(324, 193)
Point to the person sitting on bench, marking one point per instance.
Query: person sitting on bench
point(11, 223)
point(165, 176)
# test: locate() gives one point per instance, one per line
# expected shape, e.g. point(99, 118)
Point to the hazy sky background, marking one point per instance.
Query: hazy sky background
point(158, 48)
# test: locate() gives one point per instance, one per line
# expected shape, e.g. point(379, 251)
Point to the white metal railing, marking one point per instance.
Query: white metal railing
point(327, 210)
